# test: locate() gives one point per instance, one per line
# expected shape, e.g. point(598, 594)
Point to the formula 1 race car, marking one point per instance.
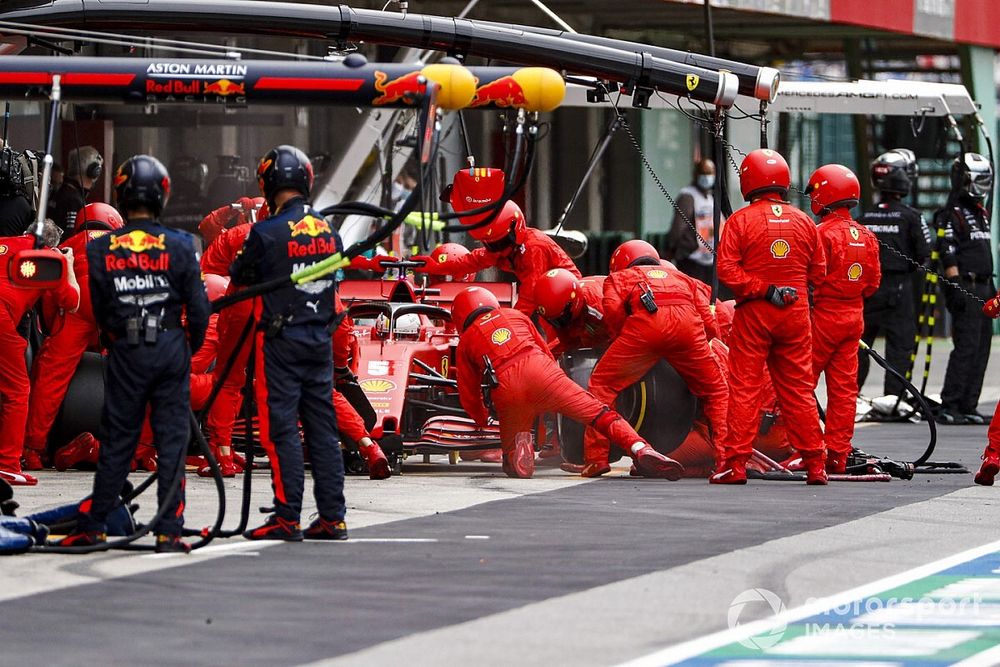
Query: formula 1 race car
point(405, 365)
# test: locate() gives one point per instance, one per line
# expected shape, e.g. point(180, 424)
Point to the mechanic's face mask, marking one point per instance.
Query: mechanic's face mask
point(399, 193)
point(980, 184)
point(706, 182)
point(501, 245)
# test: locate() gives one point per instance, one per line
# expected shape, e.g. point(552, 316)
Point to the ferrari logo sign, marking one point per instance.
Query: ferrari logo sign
point(692, 81)
point(780, 248)
point(500, 336)
point(777, 210)
point(854, 271)
point(854, 233)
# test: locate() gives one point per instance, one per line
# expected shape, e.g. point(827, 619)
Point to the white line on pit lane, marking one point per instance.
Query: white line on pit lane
point(477, 537)
point(221, 550)
point(390, 540)
point(695, 647)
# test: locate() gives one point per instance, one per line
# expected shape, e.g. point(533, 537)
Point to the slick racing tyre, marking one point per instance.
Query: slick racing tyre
point(81, 408)
point(659, 407)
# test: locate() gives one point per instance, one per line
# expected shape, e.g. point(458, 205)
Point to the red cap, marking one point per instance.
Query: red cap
point(763, 171)
point(469, 302)
point(833, 186)
point(631, 251)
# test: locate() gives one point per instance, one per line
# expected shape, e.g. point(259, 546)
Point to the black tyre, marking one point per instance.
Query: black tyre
point(83, 404)
point(659, 407)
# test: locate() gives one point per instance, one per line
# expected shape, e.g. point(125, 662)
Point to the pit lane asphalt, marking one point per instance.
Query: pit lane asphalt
point(296, 603)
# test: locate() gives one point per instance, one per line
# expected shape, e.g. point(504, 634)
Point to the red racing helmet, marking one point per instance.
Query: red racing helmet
point(98, 216)
point(470, 302)
point(763, 171)
point(449, 252)
point(833, 186)
point(557, 296)
point(506, 230)
point(631, 252)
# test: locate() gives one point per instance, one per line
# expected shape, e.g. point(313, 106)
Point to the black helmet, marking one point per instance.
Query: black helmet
point(284, 167)
point(142, 180)
point(972, 175)
point(895, 171)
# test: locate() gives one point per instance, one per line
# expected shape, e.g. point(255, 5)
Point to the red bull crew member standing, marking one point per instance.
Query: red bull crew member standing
point(769, 256)
point(853, 274)
point(294, 357)
point(142, 278)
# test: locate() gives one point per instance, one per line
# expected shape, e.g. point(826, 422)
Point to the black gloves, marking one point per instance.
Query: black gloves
point(782, 296)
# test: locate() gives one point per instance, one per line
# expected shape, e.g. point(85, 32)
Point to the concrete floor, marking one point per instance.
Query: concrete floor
point(460, 564)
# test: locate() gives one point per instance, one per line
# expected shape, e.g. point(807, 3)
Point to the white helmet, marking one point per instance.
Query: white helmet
point(408, 326)
point(382, 325)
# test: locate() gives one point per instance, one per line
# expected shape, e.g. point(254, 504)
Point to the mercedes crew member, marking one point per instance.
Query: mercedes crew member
point(84, 168)
point(143, 278)
point(769, 256)
point(294, 357)
point(905, 240)
point(853, 273)
point(967, 258)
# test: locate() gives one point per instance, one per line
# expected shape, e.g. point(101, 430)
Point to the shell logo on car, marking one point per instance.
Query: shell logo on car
point(377, 386)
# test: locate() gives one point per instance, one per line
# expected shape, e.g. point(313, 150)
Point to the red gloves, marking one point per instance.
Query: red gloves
point(992, 307)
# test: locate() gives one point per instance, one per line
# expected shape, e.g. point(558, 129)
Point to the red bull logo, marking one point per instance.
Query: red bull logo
point(505, 92)
point(309, 226)
point(404, 88)
point(225, 88)
point(120, 177)
point(138, 241)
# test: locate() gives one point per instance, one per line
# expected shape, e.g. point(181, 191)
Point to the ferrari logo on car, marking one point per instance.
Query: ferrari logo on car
point(854, 271)
point(500, 336)
point(777, 210)
point(692, 81)
point(377, 386)
point(779, 249)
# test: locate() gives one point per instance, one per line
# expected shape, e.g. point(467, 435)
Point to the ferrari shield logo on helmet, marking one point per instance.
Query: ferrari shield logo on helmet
point(780, 249)
point(854, 272)
point(500, 336)
point(777, 210)
point(692, 81)
point(854, 233)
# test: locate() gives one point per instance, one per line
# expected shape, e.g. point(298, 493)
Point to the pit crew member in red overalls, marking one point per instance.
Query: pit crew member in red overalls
point(991, 457)
point(510, 245)
point(853, 273)
point(769, 255)
point(651, 313)
point(73, 334)
point(502, 346)
point(14, 384)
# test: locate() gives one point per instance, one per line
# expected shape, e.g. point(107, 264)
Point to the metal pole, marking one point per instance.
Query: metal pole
point(43, 203)
point(709, 28)
point(552, 15)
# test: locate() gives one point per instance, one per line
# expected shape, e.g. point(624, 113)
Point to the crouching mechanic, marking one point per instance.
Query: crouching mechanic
point(652, 313)
point(502, 346)
point(142, 278)
point(853, 274)
point(294, 357)
point(768, 257)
